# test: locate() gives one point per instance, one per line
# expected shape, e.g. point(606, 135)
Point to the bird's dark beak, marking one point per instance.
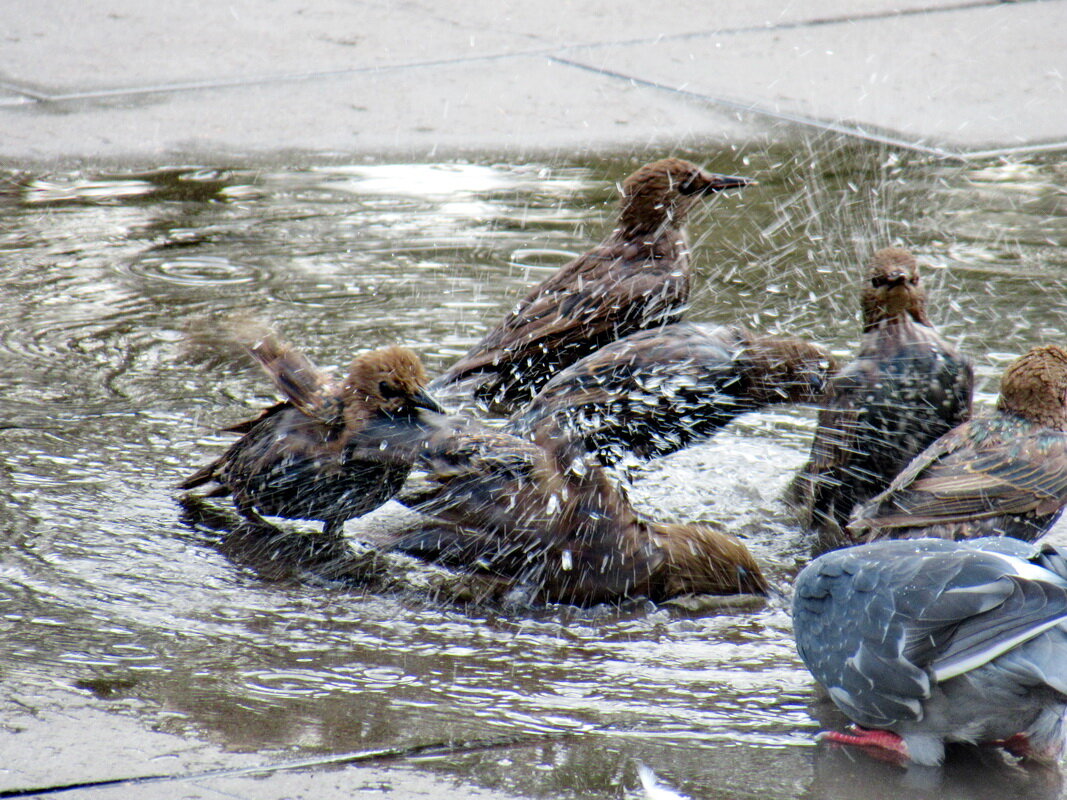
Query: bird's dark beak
point(720, 183)
point(422, 400)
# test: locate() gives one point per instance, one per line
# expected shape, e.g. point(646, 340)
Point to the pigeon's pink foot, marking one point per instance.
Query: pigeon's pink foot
point(893, 746)
point(1018, 745)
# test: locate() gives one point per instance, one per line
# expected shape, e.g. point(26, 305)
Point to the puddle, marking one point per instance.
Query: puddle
point(110, 606)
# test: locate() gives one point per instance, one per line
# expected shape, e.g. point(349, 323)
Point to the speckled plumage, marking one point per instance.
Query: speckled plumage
point(294, 460)
point(1003, 473)
point(941, 641)
point(541, 514)
point(906, 387)
point(637, 278)
point(658, 391)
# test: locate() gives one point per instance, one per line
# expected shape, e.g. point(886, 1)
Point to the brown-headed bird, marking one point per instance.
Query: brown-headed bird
point(906, 387)
point(658, 391)
point(543, 516)
point(1001, 474)
point(294, 460)
point(637, 278)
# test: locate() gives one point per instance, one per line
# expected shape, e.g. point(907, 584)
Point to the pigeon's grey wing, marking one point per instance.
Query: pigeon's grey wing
point(876, 623)
point(1029, 605)
point(851, 633)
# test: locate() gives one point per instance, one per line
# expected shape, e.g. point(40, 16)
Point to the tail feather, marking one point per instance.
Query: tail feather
point(200, 477)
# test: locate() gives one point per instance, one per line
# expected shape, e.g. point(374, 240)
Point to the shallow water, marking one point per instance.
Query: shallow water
point(112, 609)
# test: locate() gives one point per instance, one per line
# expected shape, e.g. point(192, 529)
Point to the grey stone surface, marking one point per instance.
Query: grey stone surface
point(46, 750)
point(977, 77)
point(151, 82)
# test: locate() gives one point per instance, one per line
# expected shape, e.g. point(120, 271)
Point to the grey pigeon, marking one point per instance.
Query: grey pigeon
point(930, 641)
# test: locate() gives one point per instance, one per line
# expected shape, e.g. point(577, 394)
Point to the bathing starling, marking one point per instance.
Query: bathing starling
point(637, 278)
point(658, 391)
point(542, 515)
point(1003, 473)
point(906, 387)
point(294, 459)
point(928, 641)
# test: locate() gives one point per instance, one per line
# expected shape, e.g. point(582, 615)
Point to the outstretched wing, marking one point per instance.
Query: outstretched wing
point(305, 386)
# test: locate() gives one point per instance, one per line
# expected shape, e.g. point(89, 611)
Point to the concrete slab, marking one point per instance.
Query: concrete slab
point(150, 81)
point(977, 77)
point(567, 22)
point(69, 48)
point(421, 113)
point(46, 750)
point(66, 48)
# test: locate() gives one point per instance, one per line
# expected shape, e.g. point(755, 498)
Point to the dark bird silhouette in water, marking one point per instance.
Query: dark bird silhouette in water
point(1001, 474)
point(294, 460)
point(658, 391)
point(906, 387)
point(545, 517)
point(637, 278)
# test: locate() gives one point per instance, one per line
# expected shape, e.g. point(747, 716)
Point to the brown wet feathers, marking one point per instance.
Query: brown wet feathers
point(638, 277)
point(293, 460)
point(1003, 473)
point(905, 387)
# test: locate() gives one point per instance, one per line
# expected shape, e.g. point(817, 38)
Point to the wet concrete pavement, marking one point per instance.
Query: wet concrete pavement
point(244, 80)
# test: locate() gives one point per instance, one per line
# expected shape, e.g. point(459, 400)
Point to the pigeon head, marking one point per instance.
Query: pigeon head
point(1034, 386)
point(389, 381)
point(893, 289)
point(659, 195)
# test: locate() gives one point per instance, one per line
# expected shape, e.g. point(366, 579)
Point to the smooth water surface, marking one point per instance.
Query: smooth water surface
point(115, 616)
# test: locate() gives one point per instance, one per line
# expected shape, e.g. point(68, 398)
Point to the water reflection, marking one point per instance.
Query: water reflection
point(110, 602)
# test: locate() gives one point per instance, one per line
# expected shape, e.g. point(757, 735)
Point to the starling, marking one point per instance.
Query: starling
point(1001, 474)
point(929, 641)
point(544, 516)
point(906, 387)
point(637, 278)
point(294, 460)
point(658, 391)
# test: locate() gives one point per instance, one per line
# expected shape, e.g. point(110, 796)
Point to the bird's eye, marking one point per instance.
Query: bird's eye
point(387, 390)
point(879, 280)
point(690, 185)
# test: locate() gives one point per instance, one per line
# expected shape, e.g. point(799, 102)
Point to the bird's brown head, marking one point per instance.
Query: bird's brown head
point(659, 195)
point(1034, 386)
point(389, 381)
point(702, 560)
point(785, 369)
point(893, 289)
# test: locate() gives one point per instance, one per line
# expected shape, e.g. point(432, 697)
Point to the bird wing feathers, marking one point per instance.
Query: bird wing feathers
point(573, 306)
point(956, 480)
point(876, 623)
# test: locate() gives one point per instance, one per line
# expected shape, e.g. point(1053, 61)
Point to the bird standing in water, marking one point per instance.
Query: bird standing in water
point(928, 641)
point(1001, 474)
point(294, 460)
point(637, 278)
point(658, 391)
point(540, 514)
point(906, 387)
